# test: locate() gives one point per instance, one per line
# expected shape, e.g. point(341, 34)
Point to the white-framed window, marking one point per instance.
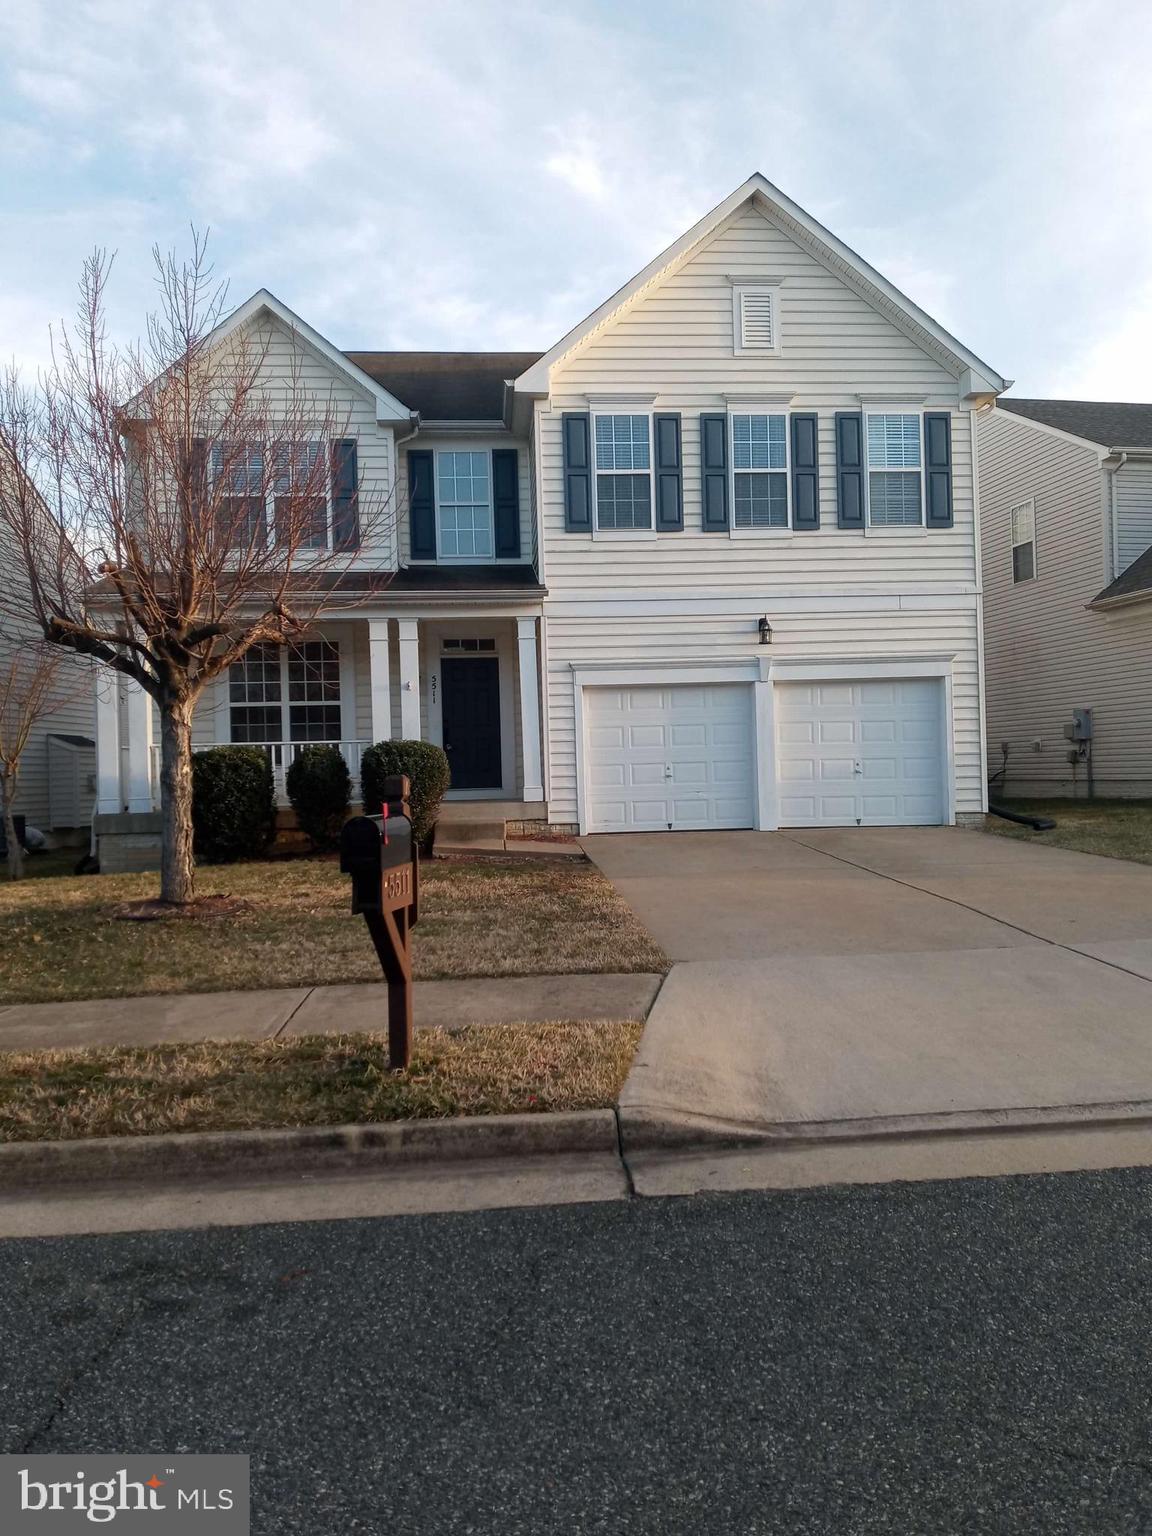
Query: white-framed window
point(464, 524)
point(760, 470)
point(755, 319)
point(252, 503)
point(286, 693)
point(469, 647)
point(1023, 521)
point(622, 445)
point(894, 448)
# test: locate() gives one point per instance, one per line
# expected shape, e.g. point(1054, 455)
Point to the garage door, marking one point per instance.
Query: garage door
point(669, 759)
point(860, 754)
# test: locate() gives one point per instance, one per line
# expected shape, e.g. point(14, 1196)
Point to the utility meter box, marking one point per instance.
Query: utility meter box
point(1080, 727)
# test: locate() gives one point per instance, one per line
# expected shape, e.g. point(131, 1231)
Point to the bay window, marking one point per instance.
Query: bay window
point(895, 469)
point(623, 457)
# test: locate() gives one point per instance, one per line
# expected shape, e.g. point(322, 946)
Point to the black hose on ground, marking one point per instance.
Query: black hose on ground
point(1037, 823)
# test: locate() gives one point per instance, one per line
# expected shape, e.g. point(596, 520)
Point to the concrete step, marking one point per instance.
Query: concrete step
point(470, 831)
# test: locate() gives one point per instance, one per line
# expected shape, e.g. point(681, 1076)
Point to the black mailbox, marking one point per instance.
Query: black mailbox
point(379, 854)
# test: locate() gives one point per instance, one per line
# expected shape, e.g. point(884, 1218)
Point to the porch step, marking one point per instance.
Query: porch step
point(470, 831)
point(455, 811)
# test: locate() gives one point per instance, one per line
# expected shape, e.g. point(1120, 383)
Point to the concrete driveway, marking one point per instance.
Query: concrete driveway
point(857, 981)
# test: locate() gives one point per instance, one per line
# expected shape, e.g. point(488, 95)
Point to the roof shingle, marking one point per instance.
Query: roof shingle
point(1136, 581)
point(446, 386)
point(1113, 424)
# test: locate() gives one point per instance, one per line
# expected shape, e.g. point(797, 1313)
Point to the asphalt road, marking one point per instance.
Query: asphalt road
point(934, 1358)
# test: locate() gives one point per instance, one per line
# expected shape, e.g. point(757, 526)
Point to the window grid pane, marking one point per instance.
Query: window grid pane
point(893, 499)
point(623, 501)
point(314, 672)
point(238, 468)
point(1023, 562)
point(893, 442)
point(761, 501)
point(622, 442)
point(465, 505)
point(759, 442)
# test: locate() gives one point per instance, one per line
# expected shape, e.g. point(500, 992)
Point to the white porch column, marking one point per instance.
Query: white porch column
point(409, 679)
point(530, 709)
point(138, 727)
point(381, 686)
point(108, 800)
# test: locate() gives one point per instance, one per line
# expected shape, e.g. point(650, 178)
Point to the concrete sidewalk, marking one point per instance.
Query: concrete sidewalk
point(285, 1011)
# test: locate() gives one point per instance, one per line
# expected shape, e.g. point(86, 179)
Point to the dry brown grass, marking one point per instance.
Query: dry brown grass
point(59, 938)
point(312, 1080)
point(1115, 829)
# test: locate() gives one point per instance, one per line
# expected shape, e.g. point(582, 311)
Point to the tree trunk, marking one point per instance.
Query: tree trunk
point(177, 868)
point(7, 797)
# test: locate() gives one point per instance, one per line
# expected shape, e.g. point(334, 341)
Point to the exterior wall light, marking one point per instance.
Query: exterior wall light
point(765, 631)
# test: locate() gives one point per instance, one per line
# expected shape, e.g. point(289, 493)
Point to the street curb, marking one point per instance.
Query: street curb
point(650, 1128)
point(25, 1165)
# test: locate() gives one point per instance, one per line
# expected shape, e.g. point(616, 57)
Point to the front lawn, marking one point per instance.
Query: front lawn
point(1117, 829)
point(312, 1080)
point(60, 939)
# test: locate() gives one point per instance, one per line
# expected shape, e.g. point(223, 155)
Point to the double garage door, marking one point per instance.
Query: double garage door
point(684, 756)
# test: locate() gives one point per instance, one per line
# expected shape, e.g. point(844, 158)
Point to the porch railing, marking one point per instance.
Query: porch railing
point(280, 755)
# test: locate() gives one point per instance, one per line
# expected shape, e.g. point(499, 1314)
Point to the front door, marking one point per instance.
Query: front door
point(471, 720)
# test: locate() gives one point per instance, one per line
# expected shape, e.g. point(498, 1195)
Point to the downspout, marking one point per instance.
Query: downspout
point(397, 442)
point(1113, 546)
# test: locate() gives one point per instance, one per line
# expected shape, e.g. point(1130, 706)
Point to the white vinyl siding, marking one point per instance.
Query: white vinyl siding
point(1132, 492)
point(1046, 652)
point(698, 596)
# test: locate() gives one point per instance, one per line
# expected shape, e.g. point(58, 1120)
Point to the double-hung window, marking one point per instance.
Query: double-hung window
point(623, 449)
point(759, 471)
point(464, 502)
point(237, 471)
point(300, 499)
point(895, 469)
point(286, 693)
point(1023, 517)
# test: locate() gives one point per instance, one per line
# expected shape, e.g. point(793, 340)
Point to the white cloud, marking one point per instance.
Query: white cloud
point(1117, 363)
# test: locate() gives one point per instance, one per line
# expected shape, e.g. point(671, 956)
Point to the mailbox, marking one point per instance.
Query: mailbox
point(379, 854)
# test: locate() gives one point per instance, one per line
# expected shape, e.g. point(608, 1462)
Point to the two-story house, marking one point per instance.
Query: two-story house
point(1066, 530)
point(709, 561)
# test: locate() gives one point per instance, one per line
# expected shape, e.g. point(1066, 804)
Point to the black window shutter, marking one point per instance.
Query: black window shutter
point(345, 481)
point(421, 504)
point(938, 468)
point(577, 472)
point(669, 474)
point(506, 502)
point(713, 473)
point(849, 469)
point(198, 478)
point(805, 471)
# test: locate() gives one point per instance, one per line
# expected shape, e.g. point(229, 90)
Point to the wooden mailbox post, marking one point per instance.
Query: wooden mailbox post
point(380, 854)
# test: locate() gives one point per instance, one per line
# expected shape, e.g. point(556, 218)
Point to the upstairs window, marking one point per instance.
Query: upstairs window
point(1023, 519)
point(237, 471)
point(760, 471)
point(464, 500)
point(623, 471)
point(300, 470)
point(755, 319)
point(286, 496)
point(895, 469)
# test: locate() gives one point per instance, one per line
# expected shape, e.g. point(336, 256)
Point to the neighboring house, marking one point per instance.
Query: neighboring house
point(710, 561)
point(56, 791)
point(1066, 530)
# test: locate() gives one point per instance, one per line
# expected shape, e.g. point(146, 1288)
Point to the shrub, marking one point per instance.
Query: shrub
point(426, 767)
point(233, 804)
point(319, 788)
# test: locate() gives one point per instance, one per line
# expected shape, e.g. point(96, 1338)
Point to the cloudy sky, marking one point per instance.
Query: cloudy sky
point(462, 173)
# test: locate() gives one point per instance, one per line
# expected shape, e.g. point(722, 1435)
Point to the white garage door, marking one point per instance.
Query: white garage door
point(669, 758)
point(860, 754)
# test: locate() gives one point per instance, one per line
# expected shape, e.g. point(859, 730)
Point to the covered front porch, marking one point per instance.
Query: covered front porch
point(470, 682)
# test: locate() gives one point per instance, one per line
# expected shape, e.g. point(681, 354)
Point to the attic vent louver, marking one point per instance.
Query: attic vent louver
point(756, 320)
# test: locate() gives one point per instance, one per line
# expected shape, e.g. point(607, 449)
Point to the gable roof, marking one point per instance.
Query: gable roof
point(1112, 424)
point(976, 377)
point(388, 407)
point(446, 386)
point(1129, 586)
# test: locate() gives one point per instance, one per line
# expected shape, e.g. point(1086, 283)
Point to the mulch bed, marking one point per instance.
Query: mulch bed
point(201, 909)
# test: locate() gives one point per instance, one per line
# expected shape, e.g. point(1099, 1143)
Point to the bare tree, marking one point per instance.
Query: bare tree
point(168, 505)
point(36, 680)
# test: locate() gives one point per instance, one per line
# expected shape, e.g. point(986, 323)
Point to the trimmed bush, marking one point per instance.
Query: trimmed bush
point(319, 788)
point(233, 803)
point(426, 767)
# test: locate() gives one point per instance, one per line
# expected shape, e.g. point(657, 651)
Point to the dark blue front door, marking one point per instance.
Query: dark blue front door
point(471, 720)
